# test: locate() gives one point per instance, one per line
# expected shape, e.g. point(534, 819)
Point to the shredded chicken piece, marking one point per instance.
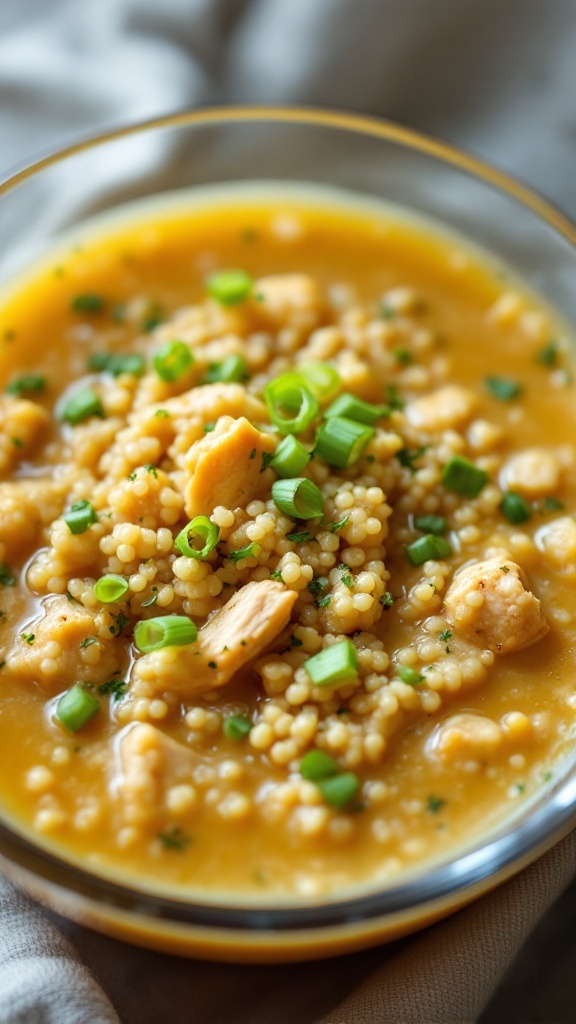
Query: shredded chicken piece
point(237, 634)
point(51, 656)
point(150, 764)
point(534, 472)
point(288, 300)
point(443, 409)
point(227, 467)
point(489, 602)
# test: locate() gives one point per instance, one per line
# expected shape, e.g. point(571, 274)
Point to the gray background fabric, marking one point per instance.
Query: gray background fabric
point(498, 79)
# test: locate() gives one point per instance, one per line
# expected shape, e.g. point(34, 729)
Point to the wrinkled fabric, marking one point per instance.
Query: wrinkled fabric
point(499, 80)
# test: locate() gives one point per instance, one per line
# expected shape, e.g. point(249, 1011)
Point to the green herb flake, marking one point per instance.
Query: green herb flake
point(115, 687)
point(252, 454)
point(387, 600)
point(346, 576)
point(548, 356)
point(504, 389)
point(87, 303)
point(212, 664)
point(152, 470)
point(209, 427)
point(7, 577)
point(150, 600)
point(162, 414)
point(28, 638)
point(445, 637)
point(17, 442)
point(392, 399)
point(403, 356)
point(324, 602)
point(153, 316)
point(27, 384)
point(409, 675)
point(266, 460)
point(175, 839)
point(295, 642)
point(88, 641)
point(274, 575)
point(120, 621)
point(435, 804)
point(553, 505)
point(318, 585)
point(335, 527)
point(408, 456)
point(520, 788)
point(299, 538)
point(504, 569)
point(386, 312)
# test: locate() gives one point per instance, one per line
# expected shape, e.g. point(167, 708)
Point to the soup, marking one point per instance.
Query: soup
point(288, 548)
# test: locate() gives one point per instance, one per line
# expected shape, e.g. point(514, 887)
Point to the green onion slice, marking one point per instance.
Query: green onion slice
point(172, 360)
point(464, 477)
point(250, 551)
point(333, 665)
point(316, 765)
point(236, 727)
point(431, 524)
point(110, 588)
point(201, 530)
point(291, 405)
point(76, 707)
point(27, 384)
point(165, 631)
point(505, 389)
point(321, 379)
point(299, 498)
point(229, 287)
point(339, 790)
point(81, 406)
point(428, 548)
point(353, 408)
point(290, 457)
point(341, 441)
point(409, 675)
point(87, 303)
point(108, 362)
point(515, 508)
point(232, 368)
point(80, 516)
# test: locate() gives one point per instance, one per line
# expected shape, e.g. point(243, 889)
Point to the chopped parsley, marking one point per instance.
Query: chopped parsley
point(318, 585)
point(252, 454)
point(153, 316)
point(17, 442)
point(408, 456)
point(150, 600)
point(88, 641)
point(392, 399)
point(152, 470)
point(335, 527)
point(403, 356)
point(548, 355)
point(87, 303)
point(27, 384)
point(116, 363)
point(299, 538)
point(505, 389)
point(212, 664)
point(115, 687)
point(29, 638)
point(346, 576)
point(162, 414)
point(276, 575)
point(7, 577)
point(250, 551)
point(209, 427)
point(175, 839)
point(504, 568)
point(553, 505)
point(445, 637)
point(120, 621)
point(387, 600)
point(323, 602)
point(266, 460)
point(435, 804)
point(409, 675)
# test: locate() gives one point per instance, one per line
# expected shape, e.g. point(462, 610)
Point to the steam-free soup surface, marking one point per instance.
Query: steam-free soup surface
point(216, 677)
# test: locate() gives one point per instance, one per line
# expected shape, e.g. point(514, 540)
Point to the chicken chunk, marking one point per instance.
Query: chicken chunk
point(534, 473)
point(25, 507)
point(227, 467)
point(52, 654)
point(557, 541)
point(292, 300)
point(443, 409)
point(150, 765)
point(237, 634)
point(490, 604)
point(467, 736)
point(22, 423)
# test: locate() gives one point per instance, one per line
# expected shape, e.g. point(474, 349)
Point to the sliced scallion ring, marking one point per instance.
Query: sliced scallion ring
point(299, 498)
point(165, 631)
point(321, 379)
point(76, 707)
point(291, 405)
point(290, 457)
point(354, 408)
point(341, 441)
point(229, 287)
point(199, 529)
point(110, 588)
point(172, 360)
point(333, 665)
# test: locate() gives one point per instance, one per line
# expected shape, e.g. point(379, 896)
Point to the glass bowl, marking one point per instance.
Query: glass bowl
point(374, 160)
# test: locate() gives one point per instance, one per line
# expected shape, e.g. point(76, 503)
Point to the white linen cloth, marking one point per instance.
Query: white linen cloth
point(496, 78)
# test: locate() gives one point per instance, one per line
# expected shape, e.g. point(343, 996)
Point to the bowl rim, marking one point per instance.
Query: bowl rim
point(537, 828)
